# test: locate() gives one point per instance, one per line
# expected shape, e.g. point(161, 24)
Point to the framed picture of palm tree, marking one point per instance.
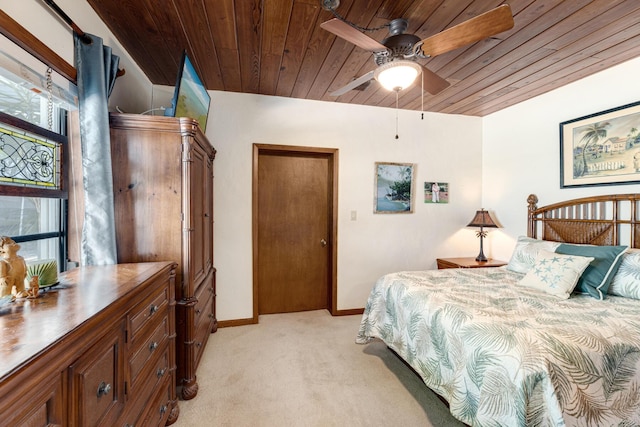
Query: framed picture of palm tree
point(601, 148)
point(393, 189)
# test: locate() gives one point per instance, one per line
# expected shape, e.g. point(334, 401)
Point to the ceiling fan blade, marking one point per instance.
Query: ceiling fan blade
point(353, 84)
point(350, 34)
point(475, 29)
point(433, 83)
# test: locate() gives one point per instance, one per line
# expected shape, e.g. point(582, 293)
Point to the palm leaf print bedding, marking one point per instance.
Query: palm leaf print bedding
point(505, 355)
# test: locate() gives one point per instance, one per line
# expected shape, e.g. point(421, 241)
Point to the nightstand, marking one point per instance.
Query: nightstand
point(469, 262)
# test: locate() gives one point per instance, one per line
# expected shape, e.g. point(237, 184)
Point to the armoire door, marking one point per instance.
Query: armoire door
point(199, 196)
point(294, 215)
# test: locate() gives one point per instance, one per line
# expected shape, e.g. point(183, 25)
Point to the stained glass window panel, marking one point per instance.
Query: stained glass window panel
point(28, 160)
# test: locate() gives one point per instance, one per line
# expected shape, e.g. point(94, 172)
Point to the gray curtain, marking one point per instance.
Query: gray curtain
point(97, 69)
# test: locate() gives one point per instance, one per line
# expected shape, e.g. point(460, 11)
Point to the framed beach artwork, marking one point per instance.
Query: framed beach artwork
point(436, 192)
point(601, 149)
point(393, 188)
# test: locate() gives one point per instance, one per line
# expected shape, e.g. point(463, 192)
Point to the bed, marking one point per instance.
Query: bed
point(515, 346)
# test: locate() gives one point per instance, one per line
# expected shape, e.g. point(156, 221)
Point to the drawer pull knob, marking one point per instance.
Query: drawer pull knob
point(198, 312)
point(198, 344)
point(153, 309)
point(211, 316)
point(103, 389)
point(163, 409)
point(153, 346)
point(161, 372)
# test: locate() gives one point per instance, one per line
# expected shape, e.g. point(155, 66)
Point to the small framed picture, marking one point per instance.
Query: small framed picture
point(393, 188)
point(436, 192)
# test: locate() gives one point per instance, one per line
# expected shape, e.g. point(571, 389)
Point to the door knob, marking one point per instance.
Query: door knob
point(323, 243)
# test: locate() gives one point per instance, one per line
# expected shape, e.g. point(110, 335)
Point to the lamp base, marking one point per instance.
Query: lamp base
point(481, 258)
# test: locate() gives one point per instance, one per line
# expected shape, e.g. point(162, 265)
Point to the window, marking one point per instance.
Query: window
point(33, 179)
point(37, 224)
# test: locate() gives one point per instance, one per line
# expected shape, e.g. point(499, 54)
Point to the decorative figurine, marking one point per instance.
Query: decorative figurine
point(13, 269)
point(34, 288)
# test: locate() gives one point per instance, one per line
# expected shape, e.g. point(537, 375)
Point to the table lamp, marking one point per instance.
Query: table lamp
point(482, 219)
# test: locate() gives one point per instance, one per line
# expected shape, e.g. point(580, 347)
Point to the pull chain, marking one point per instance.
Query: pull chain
point(422, 96)
point(49, 98)
point(397, 92)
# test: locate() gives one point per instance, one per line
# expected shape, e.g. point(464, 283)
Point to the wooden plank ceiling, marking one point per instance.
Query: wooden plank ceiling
point(276, 47)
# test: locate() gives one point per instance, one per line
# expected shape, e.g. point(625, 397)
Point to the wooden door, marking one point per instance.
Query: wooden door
point(294, 222)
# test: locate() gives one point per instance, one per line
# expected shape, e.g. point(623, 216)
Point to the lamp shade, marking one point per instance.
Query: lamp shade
point(397, 75)
point(482, 219)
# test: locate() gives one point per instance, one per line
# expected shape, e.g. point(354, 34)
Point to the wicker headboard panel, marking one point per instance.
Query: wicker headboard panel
point(595, 220)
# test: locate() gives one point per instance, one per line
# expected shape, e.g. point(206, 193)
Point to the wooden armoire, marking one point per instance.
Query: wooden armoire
point(163, 189)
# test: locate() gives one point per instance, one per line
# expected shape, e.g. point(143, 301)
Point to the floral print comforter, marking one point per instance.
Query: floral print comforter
point(505, 355)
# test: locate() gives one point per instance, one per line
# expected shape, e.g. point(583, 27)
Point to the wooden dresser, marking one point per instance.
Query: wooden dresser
point(163, 189)
point(96, 350)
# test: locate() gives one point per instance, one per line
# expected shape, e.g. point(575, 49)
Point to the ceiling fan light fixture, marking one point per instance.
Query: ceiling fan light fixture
point(397, 75)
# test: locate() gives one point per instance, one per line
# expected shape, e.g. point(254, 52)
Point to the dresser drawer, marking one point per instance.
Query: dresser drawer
point(145, 353)
point(201, 338)
point(204, 305)
point(204, 323)
point(149, 381)
point(159, 408)
point(154, 306)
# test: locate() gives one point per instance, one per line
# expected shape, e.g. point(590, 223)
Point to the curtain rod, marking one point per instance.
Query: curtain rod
point(31, 44)
point(85, 38)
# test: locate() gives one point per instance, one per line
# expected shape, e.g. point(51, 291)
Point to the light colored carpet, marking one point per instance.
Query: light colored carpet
point(304, 369)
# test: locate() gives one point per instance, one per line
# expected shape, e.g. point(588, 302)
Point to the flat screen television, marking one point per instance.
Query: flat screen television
point(190, 97)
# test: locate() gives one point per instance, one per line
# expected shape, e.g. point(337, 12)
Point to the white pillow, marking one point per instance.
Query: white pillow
point(526, 251)
point(626, 281)
point(555, 274)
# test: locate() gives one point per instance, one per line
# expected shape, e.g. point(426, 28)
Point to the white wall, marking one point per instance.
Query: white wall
point(446, 148)
point(521, 148)
point(132, 92)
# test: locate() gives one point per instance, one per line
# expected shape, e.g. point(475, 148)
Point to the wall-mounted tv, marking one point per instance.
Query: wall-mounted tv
point(190, 97)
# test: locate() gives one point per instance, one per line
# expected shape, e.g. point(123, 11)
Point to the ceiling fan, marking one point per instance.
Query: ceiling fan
point(396, 56)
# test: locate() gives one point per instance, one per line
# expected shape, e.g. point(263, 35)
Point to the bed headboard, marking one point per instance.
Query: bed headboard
point(595, 220)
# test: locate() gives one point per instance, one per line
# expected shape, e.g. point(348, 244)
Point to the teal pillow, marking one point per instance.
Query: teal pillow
point(597, 277)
